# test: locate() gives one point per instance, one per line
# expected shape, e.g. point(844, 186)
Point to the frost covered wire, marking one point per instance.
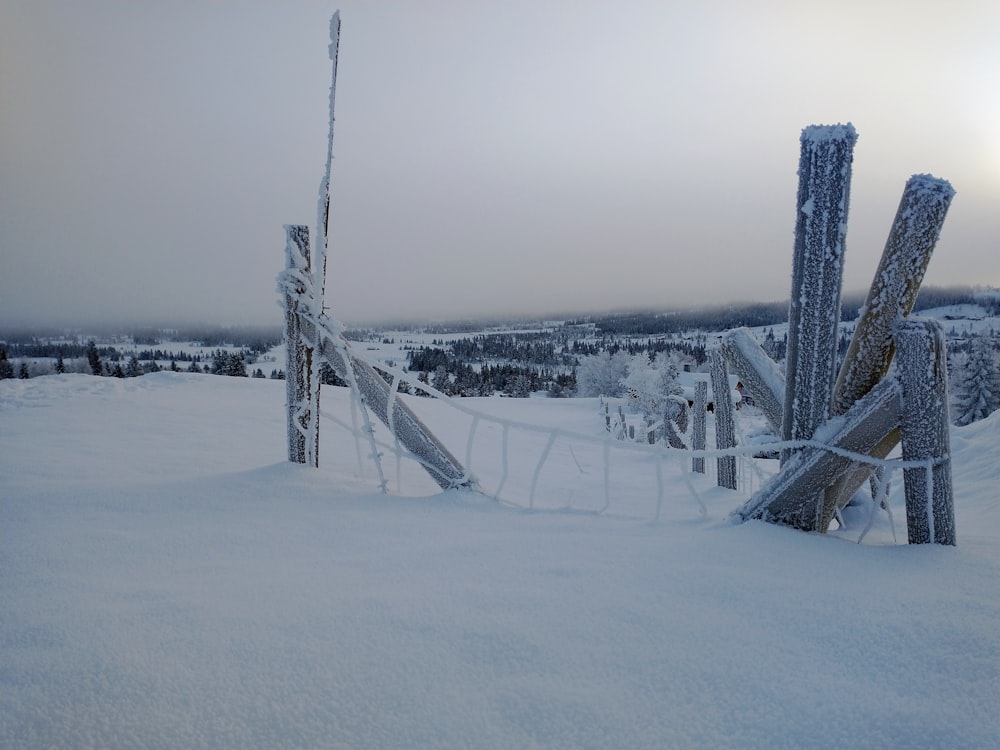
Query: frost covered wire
point(541, 462)
point(391, 409)
point(333, 331)
point(553, 435)
point(506, 462)
point(879, 501)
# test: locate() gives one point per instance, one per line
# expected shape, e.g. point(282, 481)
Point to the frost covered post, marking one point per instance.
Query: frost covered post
point(792, 496)
point(760, 375)
point(725, 430)
point(378, 395)
point(301, 390)
point(698, 427)
point(817, 270)
point(893, 292)
point(323, 206)
point(922, 367)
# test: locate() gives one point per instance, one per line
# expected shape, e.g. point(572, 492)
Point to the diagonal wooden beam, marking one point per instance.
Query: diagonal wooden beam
point(377, 394)
point(789, 497)
point(893, 292)
point(761, 376)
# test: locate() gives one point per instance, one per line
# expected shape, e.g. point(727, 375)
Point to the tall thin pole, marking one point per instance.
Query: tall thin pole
point(323, 208)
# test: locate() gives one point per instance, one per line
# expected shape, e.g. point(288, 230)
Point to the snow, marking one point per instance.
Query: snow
point(816, 134)
point(168, 580)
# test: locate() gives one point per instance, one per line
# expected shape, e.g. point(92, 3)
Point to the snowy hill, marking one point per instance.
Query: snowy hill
point(167, 580)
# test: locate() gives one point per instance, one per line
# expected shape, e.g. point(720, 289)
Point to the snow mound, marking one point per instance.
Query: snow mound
point(169, 581)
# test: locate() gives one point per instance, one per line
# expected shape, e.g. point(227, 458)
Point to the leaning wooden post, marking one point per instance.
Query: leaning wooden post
point(923, 375)
point(698, 428)
point(817, 271)
point(725, 432)
point(761, 377)
point(893, 292)
point(302, 398)
point(791, 497)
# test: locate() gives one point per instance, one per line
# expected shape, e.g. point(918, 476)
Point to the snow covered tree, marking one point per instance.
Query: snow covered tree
point(441, 381)
point(775, 349)
point(601, 374)
point(650, 384)
point(641, 384)
point(978, 383)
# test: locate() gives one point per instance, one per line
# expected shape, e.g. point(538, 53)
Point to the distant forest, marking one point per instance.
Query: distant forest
point(752, 315)
point(517, 347)
point(254, 340)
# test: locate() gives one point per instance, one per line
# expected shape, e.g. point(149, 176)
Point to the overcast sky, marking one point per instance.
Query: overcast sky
point(490, 157)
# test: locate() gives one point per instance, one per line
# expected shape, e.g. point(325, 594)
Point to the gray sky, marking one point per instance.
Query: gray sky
point(489, 157)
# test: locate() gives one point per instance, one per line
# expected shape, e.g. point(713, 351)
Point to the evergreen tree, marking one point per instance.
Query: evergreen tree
point(22, 372)
point(6, 368)
point(978, 387)
point(229, 363)
point(94, 358)
point(132, 369)
point(60, 365)
point(521, 387)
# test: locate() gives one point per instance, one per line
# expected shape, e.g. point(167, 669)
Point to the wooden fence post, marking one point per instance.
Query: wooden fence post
point(893, 292)
point(817, 271)
point(302, 394)
point(923, 374)
point(790, 497)
point(725, 431)
point(377, 395)
point(698, 428)
point(761, 377)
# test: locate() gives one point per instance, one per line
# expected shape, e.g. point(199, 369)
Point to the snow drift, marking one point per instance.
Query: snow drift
point(168, 580)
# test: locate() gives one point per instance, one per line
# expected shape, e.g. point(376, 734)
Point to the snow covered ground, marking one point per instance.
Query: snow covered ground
point(167, 580)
